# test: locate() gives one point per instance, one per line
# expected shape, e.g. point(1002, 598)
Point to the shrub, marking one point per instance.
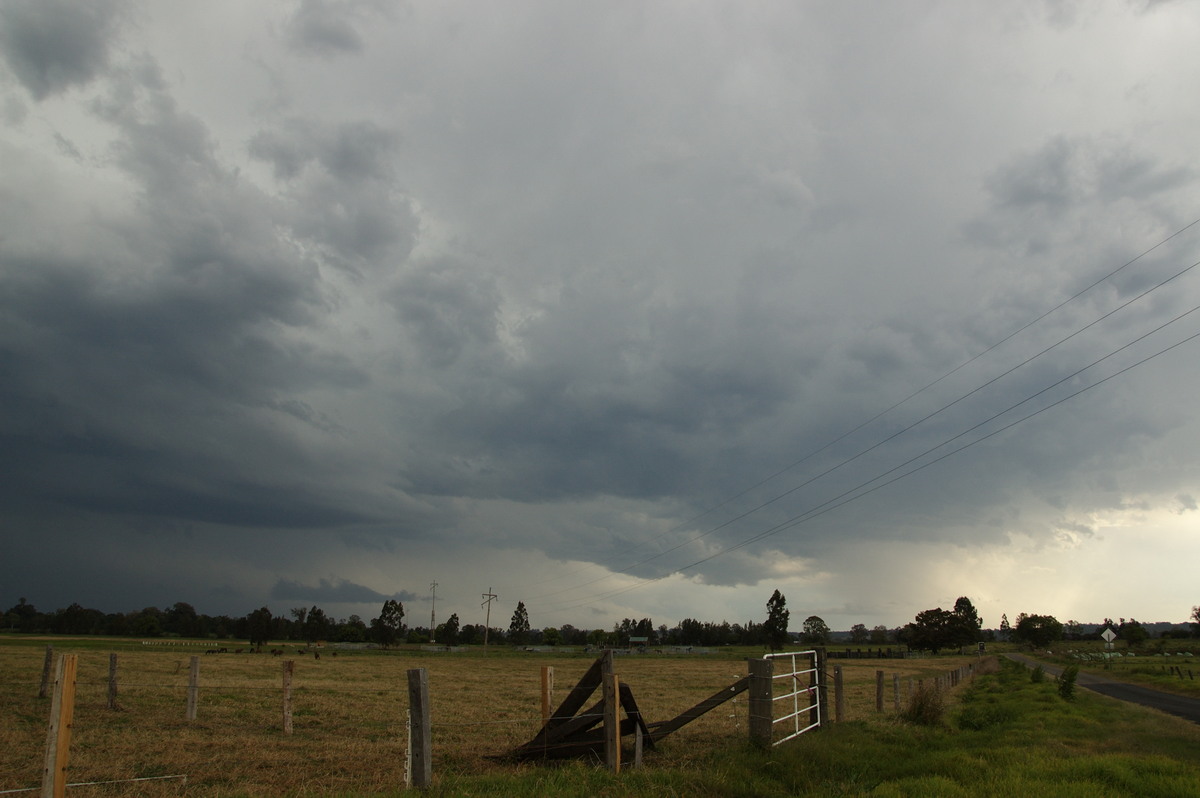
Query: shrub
point(1037, 675)
point(1066, 682)
point(926, 707)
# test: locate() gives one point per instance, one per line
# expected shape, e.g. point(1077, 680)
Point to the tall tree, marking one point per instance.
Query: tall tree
point(447, 633)
point(859, 633)
point(317, 625)
point(518, 629)
point(775, 628)
point(1195, 621)
point(389, 626)
point(815, 631)
point(258, 626)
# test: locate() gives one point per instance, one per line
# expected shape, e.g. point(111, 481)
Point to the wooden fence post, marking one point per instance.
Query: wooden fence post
point(762, 712)
point(896, 691)
point(58, 739)
point(420, 741)
point(839, 695)
point(612, 722)
point(193, 694)
point(46, 665)
point(879, 691)
point(112, 682)
point(547, 692)
point(610, 692)
point(289, 667)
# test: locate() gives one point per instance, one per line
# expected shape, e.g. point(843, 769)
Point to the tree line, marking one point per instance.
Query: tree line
point(931, 630)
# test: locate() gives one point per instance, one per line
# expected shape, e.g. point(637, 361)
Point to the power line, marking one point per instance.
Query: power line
point(862, 489)
point(870, 421)
point(911, 426)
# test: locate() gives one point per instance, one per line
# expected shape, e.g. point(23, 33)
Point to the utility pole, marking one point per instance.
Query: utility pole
point(432, 609)
point(488, 598)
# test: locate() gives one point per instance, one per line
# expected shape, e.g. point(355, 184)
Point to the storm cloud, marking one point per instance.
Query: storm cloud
point(619, 311)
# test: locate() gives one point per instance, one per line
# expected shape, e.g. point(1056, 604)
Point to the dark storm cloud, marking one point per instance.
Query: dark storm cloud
point(139, 371)
point(447, 307)
point(53, 45)
point(335, 591)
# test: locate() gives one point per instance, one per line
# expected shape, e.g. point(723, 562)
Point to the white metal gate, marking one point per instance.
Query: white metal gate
point(802, 686)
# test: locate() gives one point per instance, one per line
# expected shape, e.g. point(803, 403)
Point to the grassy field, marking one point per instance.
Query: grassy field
point(1008, 737)
point(349, 713)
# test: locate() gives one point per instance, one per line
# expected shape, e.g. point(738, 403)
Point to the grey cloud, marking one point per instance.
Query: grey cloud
point(353, 151)
point(1066, 171)
point(54, 45)
point(447, 306)
point(331, 27)
point(350, 207)
point(335, 591)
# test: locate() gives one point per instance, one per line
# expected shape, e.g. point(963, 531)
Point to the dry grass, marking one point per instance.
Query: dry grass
point(349, 715)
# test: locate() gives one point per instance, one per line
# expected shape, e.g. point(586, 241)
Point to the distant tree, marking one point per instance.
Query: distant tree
point(352, 630)
point(775, 628)
point(815, 631)
point(181, 620)
point(571, 636)
point(518, 628)
point(931, 630)
point(965, 623)
point(1195, 621)
point(1073, 630)
point(388, 628)
point(551, 636)
point(22, 617)
point(1037, 630)
point(859, 633)
point(1133, 632)
point(317, 625)
point(1005, 627)
point(879, 634)
point(258, 626)
point(147, 623)
point(597, 637)
point(447, 633)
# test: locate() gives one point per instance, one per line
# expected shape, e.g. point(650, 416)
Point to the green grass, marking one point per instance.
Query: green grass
point(1009, 736)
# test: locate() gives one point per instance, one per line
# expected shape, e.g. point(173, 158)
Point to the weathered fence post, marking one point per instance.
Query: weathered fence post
point(610, 691)
point(58, 739)
point(419, 741)
point(547, 692)
point(839, 695)
point(289, 667)
point(46, 665)
point(762, 713)
point(612, 722)
point(819, 681)
point(879, 691)
point(193, 694)
point(112, 682)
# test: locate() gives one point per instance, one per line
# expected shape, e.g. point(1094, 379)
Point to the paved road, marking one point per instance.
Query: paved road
point(1181, 705)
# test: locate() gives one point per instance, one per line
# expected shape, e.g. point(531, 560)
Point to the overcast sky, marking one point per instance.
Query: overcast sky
point(618, 309)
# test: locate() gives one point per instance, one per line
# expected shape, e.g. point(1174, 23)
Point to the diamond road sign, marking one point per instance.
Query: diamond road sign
point(1109, 635)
